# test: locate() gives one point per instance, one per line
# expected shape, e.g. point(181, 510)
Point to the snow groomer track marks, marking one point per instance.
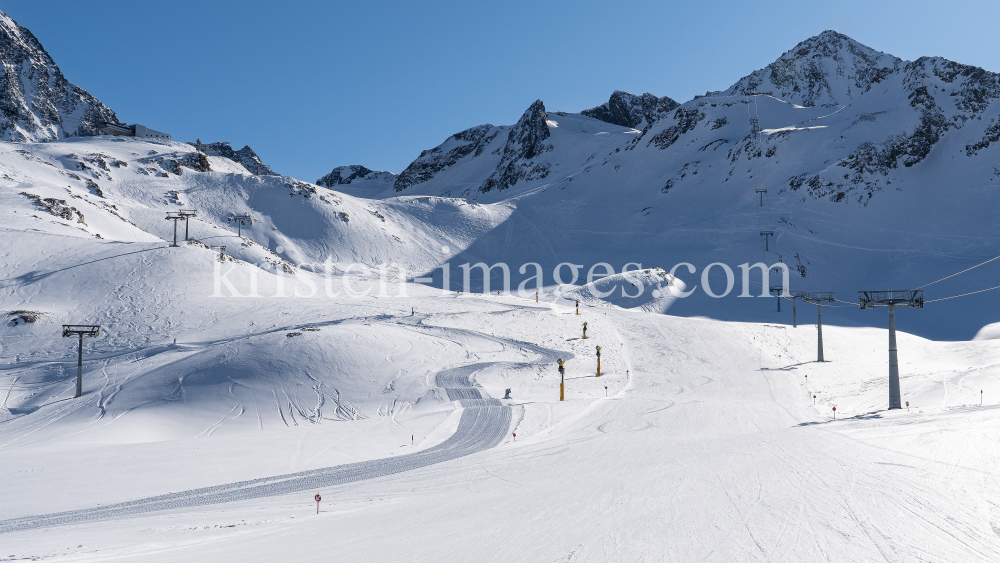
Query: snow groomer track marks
point(483, 424)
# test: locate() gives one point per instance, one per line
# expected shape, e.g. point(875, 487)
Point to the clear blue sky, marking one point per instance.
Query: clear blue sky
point(313, 85)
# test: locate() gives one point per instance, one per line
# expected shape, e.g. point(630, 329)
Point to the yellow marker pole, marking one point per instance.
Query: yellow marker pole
point(577, 306)
point(536, 296)
point(598, 361)
point(584, 331)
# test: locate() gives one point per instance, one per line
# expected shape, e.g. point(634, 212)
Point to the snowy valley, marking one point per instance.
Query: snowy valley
point(339, 338)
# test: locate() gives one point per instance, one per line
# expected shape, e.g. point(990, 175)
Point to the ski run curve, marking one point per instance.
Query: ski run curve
point(483, 424)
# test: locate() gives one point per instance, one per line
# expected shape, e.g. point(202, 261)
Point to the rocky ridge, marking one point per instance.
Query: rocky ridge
point(629, 110)
point(345, 175)
point(37, 103)
point(244, 156)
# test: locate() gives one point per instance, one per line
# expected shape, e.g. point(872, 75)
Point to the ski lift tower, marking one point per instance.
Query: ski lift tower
point(818, 297)
point(81, 331)
point(891, 299)
point(778, 291)
point(241, 221)
point(766, 234)
point(174, 216)
point(761, 192)
point(187, 214)
point(795, 295)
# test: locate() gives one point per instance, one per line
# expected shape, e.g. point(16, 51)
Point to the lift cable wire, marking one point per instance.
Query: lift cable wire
point(963, 295)
point(953, 275)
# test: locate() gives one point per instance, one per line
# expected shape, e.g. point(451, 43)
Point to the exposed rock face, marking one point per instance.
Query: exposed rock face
point(471, 141)
point(37, 103)
point(252, 162)
point(56, 207)
point(244, 156)
point(629, 110)
point(525, 143)
point(343, 175)
point(945, 95)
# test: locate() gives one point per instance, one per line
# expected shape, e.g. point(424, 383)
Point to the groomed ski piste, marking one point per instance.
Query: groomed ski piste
point(706, 444)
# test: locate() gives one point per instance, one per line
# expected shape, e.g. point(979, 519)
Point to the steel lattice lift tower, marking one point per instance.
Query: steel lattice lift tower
point(891, 299)
point(81, 331)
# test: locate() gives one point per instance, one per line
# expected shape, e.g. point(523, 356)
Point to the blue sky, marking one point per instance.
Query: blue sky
point(313, 85)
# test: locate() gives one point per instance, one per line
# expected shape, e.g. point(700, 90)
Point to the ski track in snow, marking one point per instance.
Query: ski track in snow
point(484, 423)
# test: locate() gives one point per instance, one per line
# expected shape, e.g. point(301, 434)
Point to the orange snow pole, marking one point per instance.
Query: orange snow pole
point(536, 296)
point(562, 381)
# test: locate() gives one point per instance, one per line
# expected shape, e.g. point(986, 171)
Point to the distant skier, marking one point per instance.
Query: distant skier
point(507, 396)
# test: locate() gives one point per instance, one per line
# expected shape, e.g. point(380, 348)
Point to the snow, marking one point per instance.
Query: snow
point(209, 420)
point(709, 447)
point(779, 130)
point(699, 440)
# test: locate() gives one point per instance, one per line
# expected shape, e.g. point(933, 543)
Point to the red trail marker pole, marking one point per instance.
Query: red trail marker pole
point(814, 400)
point(835, 413)
point(318, 498)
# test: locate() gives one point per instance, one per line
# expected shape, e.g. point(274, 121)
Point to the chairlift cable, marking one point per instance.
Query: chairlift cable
point(962, 295)
point(953, 275)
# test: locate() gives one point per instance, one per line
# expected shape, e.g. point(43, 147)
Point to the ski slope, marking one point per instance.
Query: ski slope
point(708, 448)
point(483, 424)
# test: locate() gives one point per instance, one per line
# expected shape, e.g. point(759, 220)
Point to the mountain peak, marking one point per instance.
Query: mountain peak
point(38, 103)
point(525, 142)
point(828, 69)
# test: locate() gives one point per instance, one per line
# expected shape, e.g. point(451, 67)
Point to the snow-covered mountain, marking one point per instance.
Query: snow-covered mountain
point(896, 112)
point(874, 172)
point(37, 103)
point(850, 168)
